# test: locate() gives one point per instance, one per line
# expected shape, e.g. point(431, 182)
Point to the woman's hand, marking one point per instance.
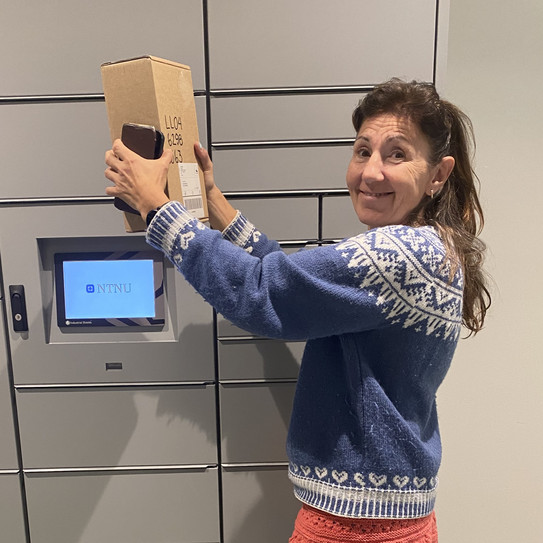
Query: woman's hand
point(207, 168)
point(141, 183)
point(221, 213)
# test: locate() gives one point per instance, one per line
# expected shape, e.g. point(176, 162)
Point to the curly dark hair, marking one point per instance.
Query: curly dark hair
point(455, 211)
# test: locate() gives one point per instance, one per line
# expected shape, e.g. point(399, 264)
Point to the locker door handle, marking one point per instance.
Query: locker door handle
point(18, 308)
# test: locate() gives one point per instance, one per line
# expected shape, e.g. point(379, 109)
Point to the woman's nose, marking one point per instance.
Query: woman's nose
point(373, 169)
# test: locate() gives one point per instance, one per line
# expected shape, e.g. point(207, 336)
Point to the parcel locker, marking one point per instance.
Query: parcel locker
point(110, 427)
point(259, 358)
point(178, 350)
point(158, 506)
point(61, 155)
point(296, 44)
point(60, 47)
point(12, 528)
point(282, 168)
point(299, 220)
point(61, 148)
point(339, 219)
point(290, 117)
point(259, 504)
point(254, 421)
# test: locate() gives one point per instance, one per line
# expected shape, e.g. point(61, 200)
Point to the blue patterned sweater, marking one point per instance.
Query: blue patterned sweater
point(381, 318)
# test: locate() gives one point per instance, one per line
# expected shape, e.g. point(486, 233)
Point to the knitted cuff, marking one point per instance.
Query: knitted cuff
point(166, 225)
point(239, 231)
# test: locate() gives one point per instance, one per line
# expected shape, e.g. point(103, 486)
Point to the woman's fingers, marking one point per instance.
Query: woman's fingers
point(120, 150)
point(167, 156)
point(206, 165)
point(203, 157)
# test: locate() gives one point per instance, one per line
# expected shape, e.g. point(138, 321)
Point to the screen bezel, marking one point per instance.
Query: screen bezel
point(124, 323)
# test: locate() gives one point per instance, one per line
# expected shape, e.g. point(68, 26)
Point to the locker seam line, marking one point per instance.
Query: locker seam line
point(207, 77)
point(436, 30)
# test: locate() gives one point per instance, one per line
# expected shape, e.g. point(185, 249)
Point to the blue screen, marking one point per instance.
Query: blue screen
point(109, 289)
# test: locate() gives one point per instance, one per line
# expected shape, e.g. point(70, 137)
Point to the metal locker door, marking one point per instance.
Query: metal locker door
point(62, 44)
point(282, 168)
point(11, 508)
point(304, 43)
point(158, 506)
point(284, 117)
point(259, 504)
point(77, 131)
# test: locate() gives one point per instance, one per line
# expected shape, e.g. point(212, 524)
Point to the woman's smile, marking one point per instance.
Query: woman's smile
point(375, 195)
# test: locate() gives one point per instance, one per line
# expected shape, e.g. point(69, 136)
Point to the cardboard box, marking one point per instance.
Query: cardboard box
point(153, 91)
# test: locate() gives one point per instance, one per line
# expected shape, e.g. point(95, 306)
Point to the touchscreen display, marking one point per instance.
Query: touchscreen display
point(95, 289)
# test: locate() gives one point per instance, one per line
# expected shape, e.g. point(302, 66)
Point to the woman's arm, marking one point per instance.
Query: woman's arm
point(223, 217)
point(391, 276)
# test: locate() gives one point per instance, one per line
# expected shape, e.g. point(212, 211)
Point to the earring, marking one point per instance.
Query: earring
point(432, 194)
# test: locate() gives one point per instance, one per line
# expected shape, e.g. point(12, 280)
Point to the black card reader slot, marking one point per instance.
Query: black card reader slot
point(18, 308)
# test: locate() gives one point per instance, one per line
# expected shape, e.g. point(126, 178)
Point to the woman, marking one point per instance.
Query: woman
point(381, 312)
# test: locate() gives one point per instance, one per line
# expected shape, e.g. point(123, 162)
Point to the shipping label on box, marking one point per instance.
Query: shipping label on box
point(157, 92)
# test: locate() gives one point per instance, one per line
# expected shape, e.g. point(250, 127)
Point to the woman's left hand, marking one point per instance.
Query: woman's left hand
point(139, 182)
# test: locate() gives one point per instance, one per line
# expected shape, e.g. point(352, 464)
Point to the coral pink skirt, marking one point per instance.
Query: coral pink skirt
point(314, 526)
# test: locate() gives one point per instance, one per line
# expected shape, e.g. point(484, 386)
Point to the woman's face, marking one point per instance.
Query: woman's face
point(389, 172)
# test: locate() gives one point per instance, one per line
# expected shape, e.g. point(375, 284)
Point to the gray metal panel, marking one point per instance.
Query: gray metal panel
point(54, 149)
point(285, 43)
point(11, 509)
point(124, 508)
point(259, 505)
point(254, 421)
point(8, 451)
point(339, 219)
point(117, 427)
point(283, 117)
point(182, 351)
point(58, 48)
point(287, 168)
point(298, 216)
point(58, 149)
point(260, 359)
point(226, 328)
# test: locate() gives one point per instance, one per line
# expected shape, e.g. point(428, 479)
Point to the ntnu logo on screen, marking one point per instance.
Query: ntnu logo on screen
point(110, 288)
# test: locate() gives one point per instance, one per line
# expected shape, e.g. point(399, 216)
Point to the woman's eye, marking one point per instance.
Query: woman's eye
point(398, 154)
point(362, 152)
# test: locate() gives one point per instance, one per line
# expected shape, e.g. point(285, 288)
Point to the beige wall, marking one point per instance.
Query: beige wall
point(491, 404)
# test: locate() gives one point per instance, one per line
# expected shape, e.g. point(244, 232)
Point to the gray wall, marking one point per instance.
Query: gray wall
point(491, 403)
point(172, 448)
